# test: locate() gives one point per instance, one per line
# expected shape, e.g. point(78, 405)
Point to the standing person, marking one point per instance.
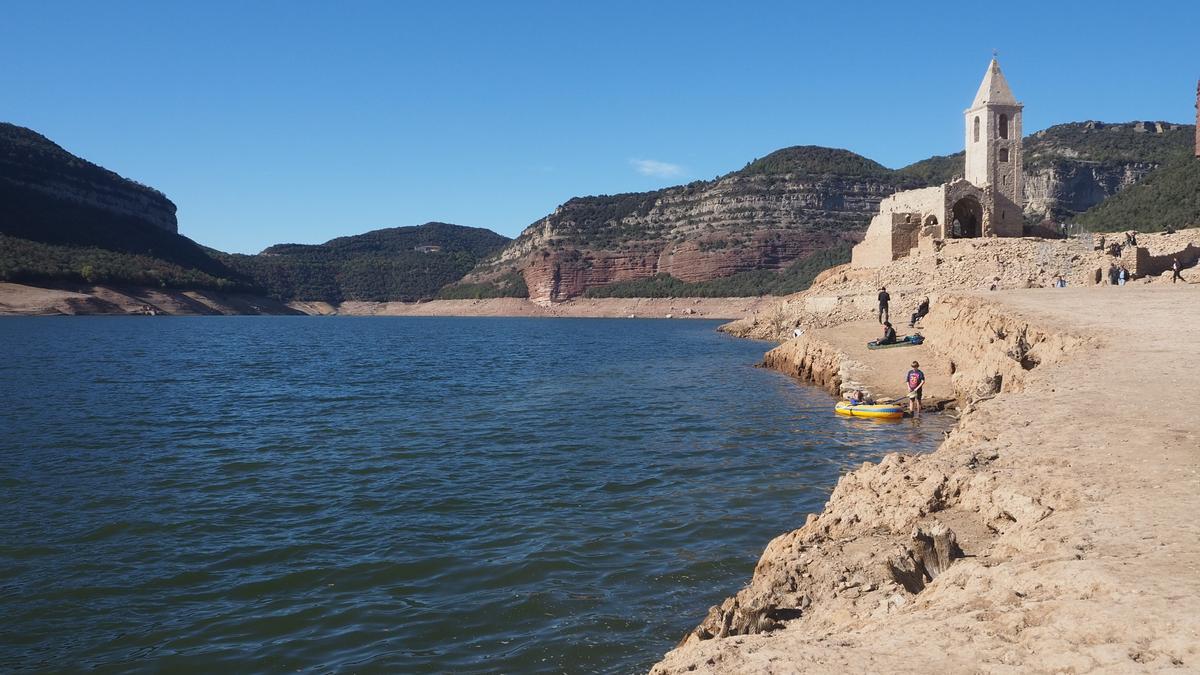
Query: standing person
point(1175, 270)
point(1122, 275)
point(916, 388)
point(922, 310)
point(883, 304)
point(1112, 275)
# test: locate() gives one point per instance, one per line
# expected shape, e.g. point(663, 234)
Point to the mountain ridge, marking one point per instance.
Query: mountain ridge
point(758, 229)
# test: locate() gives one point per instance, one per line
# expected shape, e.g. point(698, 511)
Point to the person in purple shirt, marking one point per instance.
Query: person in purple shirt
point(915, 380)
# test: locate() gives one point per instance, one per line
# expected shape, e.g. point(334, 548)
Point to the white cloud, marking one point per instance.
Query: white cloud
point(653, 167)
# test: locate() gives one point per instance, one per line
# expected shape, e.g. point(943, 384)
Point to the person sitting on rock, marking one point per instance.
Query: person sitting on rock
point(889, 334)
point(922, 310)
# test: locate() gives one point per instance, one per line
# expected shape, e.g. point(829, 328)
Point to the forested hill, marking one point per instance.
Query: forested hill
point(1073, 168)
point(399, 263)
point(63, 218)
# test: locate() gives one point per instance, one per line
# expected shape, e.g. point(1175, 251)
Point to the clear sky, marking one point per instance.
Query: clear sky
point(294, 121)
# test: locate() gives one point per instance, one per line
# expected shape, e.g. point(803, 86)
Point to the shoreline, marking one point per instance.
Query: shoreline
point(88, 299)
point(1041, 535)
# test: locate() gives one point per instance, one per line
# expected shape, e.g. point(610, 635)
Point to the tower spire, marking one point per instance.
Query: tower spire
point(994, 88)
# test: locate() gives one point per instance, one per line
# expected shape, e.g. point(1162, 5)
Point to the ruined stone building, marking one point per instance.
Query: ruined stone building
point(986, 201)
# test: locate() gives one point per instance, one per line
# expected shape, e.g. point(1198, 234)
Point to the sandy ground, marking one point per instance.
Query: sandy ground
point(882, 371)
point(1099, 568)
point(682, 308)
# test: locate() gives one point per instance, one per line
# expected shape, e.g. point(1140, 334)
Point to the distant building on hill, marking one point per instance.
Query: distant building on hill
point(987, 201)
point(428, 249)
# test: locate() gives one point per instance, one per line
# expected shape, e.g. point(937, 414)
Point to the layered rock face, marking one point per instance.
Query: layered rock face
point(40, 178)
point(1073, 167)
point(798, 201)
point(749, 220)
point(1066, 188)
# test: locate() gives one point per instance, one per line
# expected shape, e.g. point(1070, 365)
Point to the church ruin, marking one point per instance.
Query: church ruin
point(986, 202)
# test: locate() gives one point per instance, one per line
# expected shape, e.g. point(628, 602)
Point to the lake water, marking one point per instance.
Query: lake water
point(393, 494)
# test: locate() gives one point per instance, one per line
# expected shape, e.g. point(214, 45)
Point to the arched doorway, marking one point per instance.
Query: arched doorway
point(968, 218)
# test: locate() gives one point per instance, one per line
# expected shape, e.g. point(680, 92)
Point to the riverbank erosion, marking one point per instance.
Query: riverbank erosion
point(1049, 532)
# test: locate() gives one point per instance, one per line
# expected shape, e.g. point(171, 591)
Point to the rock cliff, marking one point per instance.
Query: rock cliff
point(40, 180)
point(783, 207)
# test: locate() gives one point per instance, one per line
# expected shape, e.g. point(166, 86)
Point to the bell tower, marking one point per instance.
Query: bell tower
point(994, 161)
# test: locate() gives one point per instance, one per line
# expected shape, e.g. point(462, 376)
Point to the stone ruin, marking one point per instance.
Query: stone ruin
point(986, 202)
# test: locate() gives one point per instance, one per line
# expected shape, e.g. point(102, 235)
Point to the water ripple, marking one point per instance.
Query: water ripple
point(414, 495)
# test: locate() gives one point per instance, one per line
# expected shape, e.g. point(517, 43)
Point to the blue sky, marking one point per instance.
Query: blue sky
point(270, 122)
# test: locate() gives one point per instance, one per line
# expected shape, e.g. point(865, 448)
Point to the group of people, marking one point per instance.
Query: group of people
point(889, 332)
point(1117, 275)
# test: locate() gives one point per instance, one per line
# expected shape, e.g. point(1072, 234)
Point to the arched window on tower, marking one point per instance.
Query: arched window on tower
point(1002, 126)
point(1003, 154)
point(977, 128)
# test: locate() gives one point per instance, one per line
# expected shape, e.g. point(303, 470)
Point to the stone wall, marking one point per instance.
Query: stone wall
point(895, 231)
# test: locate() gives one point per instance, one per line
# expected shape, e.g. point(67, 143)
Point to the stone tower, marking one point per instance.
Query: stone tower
point(994, 162)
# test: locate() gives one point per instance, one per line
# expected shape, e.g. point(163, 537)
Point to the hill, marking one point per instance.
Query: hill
point(779, 209)
point(63, 218)
point(399, 263)
point(1168, 198)
point(1070, 168)
point(746, 231)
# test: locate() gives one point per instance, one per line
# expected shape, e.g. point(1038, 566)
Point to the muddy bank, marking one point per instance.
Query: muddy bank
point(1044, 534)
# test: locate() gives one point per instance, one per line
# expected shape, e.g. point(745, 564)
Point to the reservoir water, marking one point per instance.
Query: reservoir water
point(261, 494)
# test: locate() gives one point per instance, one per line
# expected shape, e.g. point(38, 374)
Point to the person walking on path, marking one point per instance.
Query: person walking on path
point(883, 304)
point(916, 387)
point(1175, 270)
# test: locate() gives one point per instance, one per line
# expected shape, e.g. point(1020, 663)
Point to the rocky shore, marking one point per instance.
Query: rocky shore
point(1049, 533)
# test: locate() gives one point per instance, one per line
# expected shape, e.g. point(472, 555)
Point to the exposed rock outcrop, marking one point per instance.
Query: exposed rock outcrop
point(32, 166)
point(793, 203)
point(879, 540)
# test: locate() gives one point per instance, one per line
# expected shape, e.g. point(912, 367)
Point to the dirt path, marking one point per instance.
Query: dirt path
point(1075, 501)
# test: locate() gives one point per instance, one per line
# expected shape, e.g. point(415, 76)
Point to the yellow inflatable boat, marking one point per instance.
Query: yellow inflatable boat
point(886, 411)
